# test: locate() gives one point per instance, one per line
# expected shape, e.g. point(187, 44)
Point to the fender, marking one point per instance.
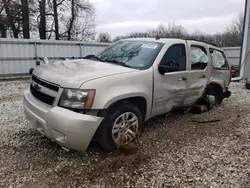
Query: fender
point(118, 87)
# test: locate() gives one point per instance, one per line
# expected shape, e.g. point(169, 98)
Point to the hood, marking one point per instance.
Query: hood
point(73, 73)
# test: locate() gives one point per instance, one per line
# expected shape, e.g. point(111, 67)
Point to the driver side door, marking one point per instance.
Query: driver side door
point(171, 86)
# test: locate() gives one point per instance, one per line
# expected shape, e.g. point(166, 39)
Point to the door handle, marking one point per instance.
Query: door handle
point(182, 79)
point(203, 76)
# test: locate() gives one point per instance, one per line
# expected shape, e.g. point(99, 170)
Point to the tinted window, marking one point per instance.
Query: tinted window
point(199, 59)
point(219, 60)
point(137, 54)
point(177, 54)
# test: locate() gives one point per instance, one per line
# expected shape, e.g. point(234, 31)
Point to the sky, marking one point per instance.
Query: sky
point(119, 17)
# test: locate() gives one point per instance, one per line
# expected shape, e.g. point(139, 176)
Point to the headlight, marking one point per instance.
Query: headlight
point(77, 99)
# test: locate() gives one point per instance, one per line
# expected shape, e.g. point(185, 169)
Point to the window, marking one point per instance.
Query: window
point(219, 59)
point(177, 54)
point(136, 54)
point(199, 59)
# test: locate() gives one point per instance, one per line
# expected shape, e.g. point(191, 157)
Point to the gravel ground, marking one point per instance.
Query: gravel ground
point(174, 150)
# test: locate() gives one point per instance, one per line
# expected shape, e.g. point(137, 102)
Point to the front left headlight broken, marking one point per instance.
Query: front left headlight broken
point(77, 99)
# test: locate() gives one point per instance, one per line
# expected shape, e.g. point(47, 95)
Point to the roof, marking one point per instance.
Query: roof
point(165, 40)
point(161, 40)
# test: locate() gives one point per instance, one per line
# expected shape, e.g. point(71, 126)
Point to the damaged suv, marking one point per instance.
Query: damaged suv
point(107, 97)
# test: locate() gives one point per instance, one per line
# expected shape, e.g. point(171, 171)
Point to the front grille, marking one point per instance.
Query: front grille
point(41, 96)
point(45, 84)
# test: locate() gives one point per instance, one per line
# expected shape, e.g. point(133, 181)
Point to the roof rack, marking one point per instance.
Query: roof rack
point(201, 41)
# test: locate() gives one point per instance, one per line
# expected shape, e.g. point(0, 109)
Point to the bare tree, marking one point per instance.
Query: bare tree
point(104, 37)
point(42, 22)
point(55, 5)
point(59, 19)
point(171, 31)
point(25, 18)
point(79, 21)
point(233, 33)
point(3, 22)
point(13, 14)
point(72, 19)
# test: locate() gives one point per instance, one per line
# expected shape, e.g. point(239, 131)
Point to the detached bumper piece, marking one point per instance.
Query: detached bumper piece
point(227, 94)
point(248, 84)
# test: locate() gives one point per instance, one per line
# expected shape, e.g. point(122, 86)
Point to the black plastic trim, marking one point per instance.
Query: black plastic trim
point(41, 96)
point(45, 84)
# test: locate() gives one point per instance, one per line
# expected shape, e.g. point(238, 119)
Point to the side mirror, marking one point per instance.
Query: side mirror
point(31, 71)
point(169, 66)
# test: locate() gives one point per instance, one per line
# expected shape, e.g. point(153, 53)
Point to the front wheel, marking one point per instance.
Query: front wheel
point(120, 127)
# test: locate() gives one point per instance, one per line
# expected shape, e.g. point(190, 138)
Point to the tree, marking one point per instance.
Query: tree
point(59, 19)
point(13, 14)
point(233, 34)
point(171, 31)
point(3, 22)
point(104, 37)
point(79, 24)
point(25, 18)
point(55, 5)
point(72, 19)
point(231, 37)
point(42, 22)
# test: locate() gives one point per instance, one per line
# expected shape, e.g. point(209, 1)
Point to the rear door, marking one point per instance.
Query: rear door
point(199, 68)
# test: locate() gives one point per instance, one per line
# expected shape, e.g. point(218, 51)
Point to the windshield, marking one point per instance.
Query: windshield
point(135, 54)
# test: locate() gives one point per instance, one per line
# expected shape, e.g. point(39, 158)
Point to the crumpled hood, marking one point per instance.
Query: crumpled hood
point(73, 73)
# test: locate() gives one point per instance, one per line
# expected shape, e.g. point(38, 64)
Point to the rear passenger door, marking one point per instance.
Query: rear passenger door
point(199, 66)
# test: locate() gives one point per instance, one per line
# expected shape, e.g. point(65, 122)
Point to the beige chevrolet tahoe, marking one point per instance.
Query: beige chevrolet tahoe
point(107, 97)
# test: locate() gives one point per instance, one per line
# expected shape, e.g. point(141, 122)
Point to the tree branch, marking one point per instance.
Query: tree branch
point(58, 4)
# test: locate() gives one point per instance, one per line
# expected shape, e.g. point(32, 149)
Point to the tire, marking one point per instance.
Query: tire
point(104, 136)
point(217, 92)
point(248, 85)
point(218, 97)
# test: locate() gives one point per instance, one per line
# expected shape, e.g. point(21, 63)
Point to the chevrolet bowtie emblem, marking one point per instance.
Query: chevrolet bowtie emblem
point(37, 87)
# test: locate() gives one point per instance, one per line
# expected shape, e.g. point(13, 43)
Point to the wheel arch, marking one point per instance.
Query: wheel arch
point(214, 88)
point(139, 101)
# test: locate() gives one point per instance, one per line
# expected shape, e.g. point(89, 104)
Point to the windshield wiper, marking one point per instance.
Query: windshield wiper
point(93, 57)
point(118, 63)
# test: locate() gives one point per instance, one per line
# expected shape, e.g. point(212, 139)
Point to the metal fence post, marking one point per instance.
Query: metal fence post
point(35, 47)
point(80, 46)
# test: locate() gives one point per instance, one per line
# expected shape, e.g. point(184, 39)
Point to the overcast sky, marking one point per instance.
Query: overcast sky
point(119, 17)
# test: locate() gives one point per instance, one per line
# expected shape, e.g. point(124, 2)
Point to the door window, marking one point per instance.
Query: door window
point(199, 59)
point(219, 60)
point(177, 54)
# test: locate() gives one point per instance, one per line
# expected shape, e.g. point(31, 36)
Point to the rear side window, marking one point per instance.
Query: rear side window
point(219, 59)
point(199, 58)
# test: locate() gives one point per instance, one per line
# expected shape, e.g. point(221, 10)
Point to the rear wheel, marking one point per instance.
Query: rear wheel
point(120, 126)
point(248, 84)
point(217, 92)
point(218, 96)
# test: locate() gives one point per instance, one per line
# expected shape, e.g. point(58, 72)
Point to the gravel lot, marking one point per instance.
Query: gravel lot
point(174, 150)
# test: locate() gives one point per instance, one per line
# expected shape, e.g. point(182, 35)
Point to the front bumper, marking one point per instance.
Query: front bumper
point(69, 129)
